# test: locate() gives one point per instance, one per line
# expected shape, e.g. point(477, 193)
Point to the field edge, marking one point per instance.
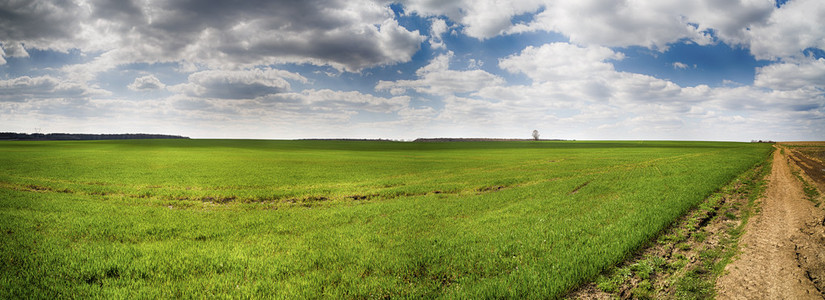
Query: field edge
point(686, 258)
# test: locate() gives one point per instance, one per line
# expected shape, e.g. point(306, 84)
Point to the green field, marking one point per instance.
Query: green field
point(344, 219)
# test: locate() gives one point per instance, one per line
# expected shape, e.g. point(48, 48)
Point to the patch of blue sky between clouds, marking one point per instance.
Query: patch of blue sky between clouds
point(484, 53)
point(779, 3)
point(117, 80)
point(689, 64)
point(814, 53)
point(41, 62)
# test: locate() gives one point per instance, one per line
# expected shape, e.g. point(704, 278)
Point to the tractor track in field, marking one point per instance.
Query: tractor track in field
point(783, 247)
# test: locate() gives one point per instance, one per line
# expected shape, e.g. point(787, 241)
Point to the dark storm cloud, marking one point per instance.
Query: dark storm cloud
point(347, 35)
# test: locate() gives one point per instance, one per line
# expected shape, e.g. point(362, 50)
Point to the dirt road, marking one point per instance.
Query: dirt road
point(782, 247)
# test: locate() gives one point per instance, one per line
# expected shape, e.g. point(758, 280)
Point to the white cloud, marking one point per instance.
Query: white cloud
point(560, 61)
point(807, 73)
point(591, 22)
point(474, 63)
point(680, 65)
point(436, 78)
point(437, 29)
point(566, 72)
point(653, 24)
point(584, 96)
point(146, 83)
point(769, 32)
point(482, 19)
point(794, 27)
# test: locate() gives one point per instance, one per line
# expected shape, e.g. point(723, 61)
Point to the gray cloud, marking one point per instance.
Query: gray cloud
point(25, 88)
point(344, 34)
point(346, 102)
point(246, 84)
point(38, 22)
point(13, 49)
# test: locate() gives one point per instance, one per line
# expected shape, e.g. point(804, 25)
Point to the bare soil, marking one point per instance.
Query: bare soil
point(810, 160)
point(783, 247)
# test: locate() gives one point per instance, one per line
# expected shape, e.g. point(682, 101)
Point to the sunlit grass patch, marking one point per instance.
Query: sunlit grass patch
point(303, 219)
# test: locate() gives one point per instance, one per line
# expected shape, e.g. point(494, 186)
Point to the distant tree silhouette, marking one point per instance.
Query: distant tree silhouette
point(83, 136)
point(536, 135)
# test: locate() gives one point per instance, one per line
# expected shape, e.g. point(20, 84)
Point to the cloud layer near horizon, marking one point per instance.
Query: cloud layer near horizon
point(293, 69)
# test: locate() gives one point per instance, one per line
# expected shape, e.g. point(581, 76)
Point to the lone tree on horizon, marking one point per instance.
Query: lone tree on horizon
point(535, 135)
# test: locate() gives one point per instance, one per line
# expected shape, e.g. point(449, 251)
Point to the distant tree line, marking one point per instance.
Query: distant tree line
point(351, 140)
point(433, 140)
point(761, 141)
point(83, 136)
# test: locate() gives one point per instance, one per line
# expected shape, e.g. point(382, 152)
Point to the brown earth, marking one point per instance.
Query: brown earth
point(783, 248)
point(810, 158)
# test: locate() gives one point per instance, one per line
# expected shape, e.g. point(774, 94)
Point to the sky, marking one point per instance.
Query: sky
point(735, 70)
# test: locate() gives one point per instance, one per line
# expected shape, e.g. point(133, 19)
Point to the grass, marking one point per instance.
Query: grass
point(699, 280)
point(286, 219)
point(685, 261)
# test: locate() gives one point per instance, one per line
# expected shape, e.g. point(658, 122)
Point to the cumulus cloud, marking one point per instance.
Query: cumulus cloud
point(560, 61)
point(769, 32)
point(437, 29)
point(245, 84)
point(14, 49)
point(794, 27)
point(621, 23)
point(806, 73)
point(348, 35)
point(584, 95)
point(587, 76)
point(618, 24)
point(436, 78)
point(146, 83)
point(481, 19)
point(11, 49)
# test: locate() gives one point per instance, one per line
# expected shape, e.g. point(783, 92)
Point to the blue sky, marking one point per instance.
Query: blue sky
point(572, 69)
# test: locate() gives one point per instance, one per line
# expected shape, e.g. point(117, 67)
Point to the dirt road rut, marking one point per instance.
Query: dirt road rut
point(781, 245)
